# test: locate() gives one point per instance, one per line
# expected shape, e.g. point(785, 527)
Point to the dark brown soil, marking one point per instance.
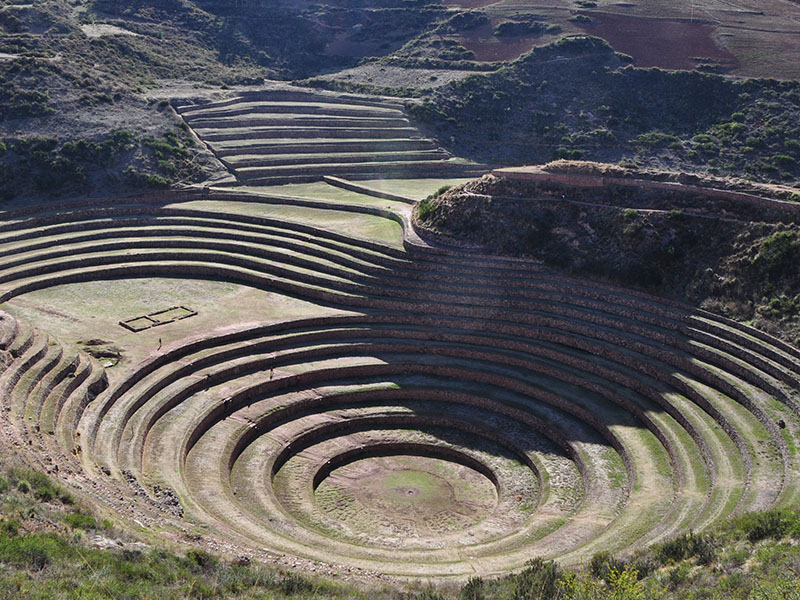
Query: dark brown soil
point(489, 48)
point(665, 43)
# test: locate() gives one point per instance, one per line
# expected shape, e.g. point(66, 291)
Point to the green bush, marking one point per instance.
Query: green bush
point(78, 520)
point(9, 527)
point(426, 209)
point(27, 481)
point(34, 551)
point(655, 139)
point(201, 559)
point(473, 589)
point(141, 179)
point(778, 255)
point(784, 161)
point(294, 583)
point(569, 154)
point(702, 546)
point(774, 524)
point(537, 581)
point(168, 146)
point(602, 563)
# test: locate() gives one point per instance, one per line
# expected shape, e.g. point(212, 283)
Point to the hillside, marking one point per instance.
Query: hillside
point(495, 85)
point(723, 255)
point(578, 99)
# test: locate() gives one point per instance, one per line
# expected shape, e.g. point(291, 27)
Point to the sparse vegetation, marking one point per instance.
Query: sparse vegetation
point(51, 166)
point(670, 251)
point(539, 108)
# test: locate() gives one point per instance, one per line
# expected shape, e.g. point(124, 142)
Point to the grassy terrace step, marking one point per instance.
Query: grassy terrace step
point(265, 366)
point(265, 438)
point(49, 236)
point(334, 251)
point(41, 263)
point(293, 146)
point(246, 112)
point(34, 381)
point(38, 228)
point(299, 108)
point(365, 167)
point(65, 252)
point(44, 262)
point(293, 97)
point(306, 132)
point(258, 122)
point(445, 170)
point(34, 351)
point(37, 385)
point(242, 161)
point(72, 376)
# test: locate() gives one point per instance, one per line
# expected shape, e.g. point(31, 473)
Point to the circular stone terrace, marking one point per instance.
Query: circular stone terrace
point(351, 396)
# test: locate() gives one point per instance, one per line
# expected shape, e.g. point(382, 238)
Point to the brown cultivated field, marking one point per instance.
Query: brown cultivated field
point(665, 43)
point(746, 37)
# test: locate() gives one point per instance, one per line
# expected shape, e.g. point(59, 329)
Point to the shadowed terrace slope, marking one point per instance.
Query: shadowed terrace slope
point(442, 414)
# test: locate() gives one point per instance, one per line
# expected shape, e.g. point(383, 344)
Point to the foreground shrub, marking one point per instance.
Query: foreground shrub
point(701, 546)
point(537, 581)
point(473, 589)
point(39, 484)
point(33, 552)
point(774, 524)
point(621, 585)
point(603, 563)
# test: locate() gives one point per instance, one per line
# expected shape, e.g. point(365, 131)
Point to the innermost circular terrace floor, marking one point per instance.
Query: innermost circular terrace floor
point(406, 495)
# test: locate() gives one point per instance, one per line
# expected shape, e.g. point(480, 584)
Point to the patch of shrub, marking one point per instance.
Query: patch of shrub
point(774, 524)
point(537, 581)
point(474, 589)
point(511, 29)
point(655, 139)
point(168, 146)
point(294, 583)
point(780, 307)
point(9, 527)
point(33, 552)
point(702, 546)
point(778, 255)
point(567, 153)
point(784, 161)
point(139, 178)
point(79, 520)
point(425, 209)
point(621, 585)
point(39, 484)
point(201, 559)
point(602, 563)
